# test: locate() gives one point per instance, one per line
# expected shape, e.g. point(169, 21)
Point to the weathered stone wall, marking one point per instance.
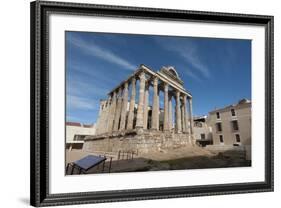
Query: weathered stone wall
point(142, 143)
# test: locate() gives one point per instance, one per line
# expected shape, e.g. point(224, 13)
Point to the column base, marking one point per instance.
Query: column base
point(167, 130)
point(153, 129)
point(139, 129)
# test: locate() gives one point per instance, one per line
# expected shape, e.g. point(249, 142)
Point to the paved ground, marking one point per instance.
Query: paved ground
point(173, 159)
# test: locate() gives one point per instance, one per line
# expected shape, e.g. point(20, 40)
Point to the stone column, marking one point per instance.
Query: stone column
point(132, 105)
point(98, 121)
point(170, 113)
point(100, 111)
point(166, 108)
point(178, 113)
point(101, 117)
point(155, 106)
point(186, 114)
point(118, 111)
point(124, 107)
point(145, 107)
point(105, 116)
point(190, 115)
point(139, 123)
point(111, 113)
point(182, 116)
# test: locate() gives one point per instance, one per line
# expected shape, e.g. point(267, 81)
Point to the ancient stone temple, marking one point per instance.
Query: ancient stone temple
point(138, 123)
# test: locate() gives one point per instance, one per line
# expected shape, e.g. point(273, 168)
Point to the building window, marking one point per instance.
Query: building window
point(198, 124)
point(233, 112)
point(218, 127)
point(79, 137)
point(237, 137)
point(218, 115)
point(203, 136)
point(235, 125)
point(221, 139)
point(75, 138)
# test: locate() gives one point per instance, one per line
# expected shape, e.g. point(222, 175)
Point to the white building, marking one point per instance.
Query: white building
point(232, 126)
point(202, 131)
point(75, 134)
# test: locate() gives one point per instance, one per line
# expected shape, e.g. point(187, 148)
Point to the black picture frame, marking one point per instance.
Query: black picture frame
point(39, 177)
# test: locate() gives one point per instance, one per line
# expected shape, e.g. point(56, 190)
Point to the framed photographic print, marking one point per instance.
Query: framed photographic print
point(131, 103)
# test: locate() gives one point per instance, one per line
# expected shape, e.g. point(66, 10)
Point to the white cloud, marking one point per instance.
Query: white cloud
point(79, 88)
point(194, 59)
point(102, 53)
point(188, 51)
point(76, 102)
point(192, 75)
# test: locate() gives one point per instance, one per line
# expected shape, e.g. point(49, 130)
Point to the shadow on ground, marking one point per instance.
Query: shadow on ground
point(216, 160)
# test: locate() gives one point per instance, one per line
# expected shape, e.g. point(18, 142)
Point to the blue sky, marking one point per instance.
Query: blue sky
point(217, 72)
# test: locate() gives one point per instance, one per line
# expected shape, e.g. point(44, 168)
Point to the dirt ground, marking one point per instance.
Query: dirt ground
point(171, 159)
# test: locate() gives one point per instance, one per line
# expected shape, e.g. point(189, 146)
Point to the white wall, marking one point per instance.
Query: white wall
point(71, 131)
point(14, 91)
point(207, 130)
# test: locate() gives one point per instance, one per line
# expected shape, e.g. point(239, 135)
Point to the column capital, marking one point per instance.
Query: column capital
point(170, 95)
point(142, 75)
point(119, 90)
point(126, 85)
point(155, 81)
point(133, 80)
